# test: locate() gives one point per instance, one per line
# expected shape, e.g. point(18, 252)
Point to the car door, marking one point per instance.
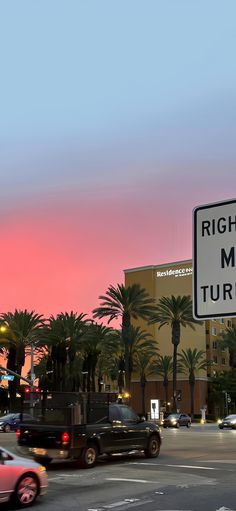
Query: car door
point(15, 419)
point(119, 432)
point(6, 485)
point(136, 432)
point(183, 419)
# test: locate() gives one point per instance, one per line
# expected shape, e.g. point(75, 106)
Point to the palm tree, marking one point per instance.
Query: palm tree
point(228, 340)
point(62, 336)
point(73, 325)
point(163, 366)
point(175, 312)
point(128, 303)
point(94, 339)
point(189, 362)
point(22, 329)
point(142, 364)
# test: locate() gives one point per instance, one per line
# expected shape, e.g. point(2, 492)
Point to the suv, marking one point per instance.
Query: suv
point(175, 420)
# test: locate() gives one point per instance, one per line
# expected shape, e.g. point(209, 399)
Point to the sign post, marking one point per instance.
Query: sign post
point(214, 260)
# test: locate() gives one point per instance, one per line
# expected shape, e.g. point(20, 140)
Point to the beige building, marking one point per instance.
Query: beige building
point(176, 279)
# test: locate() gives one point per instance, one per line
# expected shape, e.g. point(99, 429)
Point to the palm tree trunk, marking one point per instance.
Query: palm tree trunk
point(126, 341)
point(143, 384)
point(11, 364)
point(192, 386)
point(166, 384)
point(175, 342)
point(174, 377)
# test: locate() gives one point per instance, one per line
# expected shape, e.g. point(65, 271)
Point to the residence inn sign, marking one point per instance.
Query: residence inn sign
point(214, 260)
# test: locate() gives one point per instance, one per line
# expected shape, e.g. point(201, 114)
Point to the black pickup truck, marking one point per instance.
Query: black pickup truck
point(120, 430)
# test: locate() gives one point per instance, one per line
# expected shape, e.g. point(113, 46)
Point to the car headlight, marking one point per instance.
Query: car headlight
point(173, 421)
point(219, 421)
point(42, 468)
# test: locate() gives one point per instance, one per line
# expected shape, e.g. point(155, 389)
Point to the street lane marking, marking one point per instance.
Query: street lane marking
point(54, 478)
point(177, 466)
point(130, 480)
point(193, 466)
point(127, 505)
point(220, 461)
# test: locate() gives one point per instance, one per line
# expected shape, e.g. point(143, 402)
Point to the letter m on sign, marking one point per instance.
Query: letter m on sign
point(229, 259)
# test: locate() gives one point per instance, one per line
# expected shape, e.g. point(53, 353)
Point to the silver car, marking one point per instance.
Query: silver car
point(228, 422)
point(21, 479)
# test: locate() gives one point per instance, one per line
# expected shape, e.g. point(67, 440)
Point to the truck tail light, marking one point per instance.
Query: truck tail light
point(18, 433)
point(65, 438)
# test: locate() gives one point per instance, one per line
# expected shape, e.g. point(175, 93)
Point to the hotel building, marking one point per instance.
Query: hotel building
point(176, 279)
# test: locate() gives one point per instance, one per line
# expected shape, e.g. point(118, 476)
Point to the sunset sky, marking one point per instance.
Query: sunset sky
point(117, 118)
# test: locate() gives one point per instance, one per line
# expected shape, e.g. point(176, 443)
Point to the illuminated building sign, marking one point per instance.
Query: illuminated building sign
point(178, 272)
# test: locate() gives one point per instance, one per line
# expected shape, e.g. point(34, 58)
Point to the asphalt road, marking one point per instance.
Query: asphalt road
point(194, 472)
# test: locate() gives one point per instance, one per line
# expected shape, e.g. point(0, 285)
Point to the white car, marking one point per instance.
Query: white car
point(21, 479)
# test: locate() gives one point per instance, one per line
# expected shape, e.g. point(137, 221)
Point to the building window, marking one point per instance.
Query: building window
point(222, 321)
point(223, 361)
point(229, 323)
point(221, 330)
point(207, 331)
point(213, 319)
point(214, 345)
point(215, 359)
point(213, 330)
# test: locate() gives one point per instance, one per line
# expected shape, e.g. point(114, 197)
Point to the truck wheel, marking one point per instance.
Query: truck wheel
point(43, 461)
point(26, 490)
point(89, 456)
point(153, 448)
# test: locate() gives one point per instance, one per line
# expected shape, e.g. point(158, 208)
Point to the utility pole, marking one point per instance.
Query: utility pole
point(30, 382)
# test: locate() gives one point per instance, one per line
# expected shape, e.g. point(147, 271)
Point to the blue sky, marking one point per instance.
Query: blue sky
point(96, 72)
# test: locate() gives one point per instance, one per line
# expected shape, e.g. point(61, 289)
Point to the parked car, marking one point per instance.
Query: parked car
point(21, 479)
point(11, 421)
point(228, 422)
point(175, 420)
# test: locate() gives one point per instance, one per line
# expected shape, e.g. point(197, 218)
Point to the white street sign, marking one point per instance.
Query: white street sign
point(214, 260)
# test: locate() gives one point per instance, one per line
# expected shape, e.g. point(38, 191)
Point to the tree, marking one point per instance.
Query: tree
point(228, 340)
point(222, 385)
point(163, 366)
point(142, 364)
point(22, 329)
point(175, 312)
point(62, 336)
point(189, 362)
point(128, 303)
point(93, 341)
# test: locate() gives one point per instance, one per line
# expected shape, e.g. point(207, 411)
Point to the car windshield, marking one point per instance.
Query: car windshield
point(231, 417)
point(173, 416)
point(8, 417)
